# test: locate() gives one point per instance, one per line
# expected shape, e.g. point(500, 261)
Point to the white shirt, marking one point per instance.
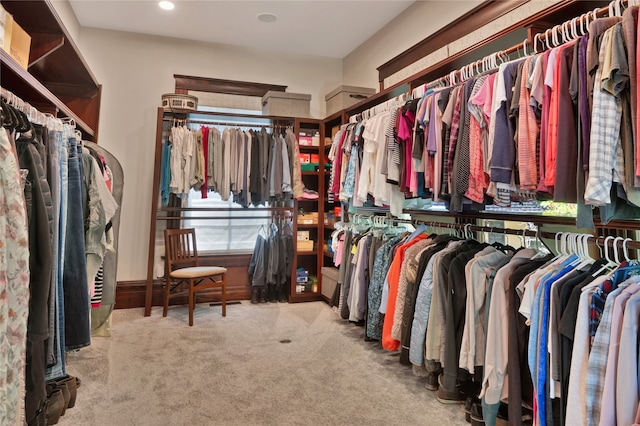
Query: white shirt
point(577, 396)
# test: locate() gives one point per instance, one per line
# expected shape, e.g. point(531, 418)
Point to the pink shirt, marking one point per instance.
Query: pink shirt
point(608, 402)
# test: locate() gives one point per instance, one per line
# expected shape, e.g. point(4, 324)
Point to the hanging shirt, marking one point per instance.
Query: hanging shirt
point(605, 152)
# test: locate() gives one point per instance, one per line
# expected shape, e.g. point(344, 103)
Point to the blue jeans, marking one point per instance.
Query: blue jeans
point(77, 328)
point(58, 370)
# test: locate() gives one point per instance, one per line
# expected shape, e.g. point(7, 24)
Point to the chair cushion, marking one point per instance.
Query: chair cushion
point(198, 272)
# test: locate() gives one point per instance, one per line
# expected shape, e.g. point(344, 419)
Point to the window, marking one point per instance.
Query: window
point(225, 234)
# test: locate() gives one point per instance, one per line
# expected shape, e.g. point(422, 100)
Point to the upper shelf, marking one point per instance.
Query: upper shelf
point(58, 79)
point(15, 79)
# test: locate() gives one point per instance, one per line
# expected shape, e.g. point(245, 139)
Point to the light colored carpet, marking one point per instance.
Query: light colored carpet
point(235, 371)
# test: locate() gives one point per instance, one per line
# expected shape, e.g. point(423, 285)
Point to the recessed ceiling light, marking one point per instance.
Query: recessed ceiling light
point(267, 17)
point(167, 5)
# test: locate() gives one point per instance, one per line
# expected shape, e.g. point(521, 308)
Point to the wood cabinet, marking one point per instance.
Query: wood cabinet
point(58, 80)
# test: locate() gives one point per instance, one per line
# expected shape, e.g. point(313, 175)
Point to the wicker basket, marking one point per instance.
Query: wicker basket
point(172, 101)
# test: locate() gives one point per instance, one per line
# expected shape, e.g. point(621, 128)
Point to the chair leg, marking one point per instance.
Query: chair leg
point(191, 301)
point(224, 296)
point(167, 292)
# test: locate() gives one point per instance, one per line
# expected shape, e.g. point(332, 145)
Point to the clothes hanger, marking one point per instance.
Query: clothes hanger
point(625, 250)
point(610, 263)
point(615, 249)
point(523, 242)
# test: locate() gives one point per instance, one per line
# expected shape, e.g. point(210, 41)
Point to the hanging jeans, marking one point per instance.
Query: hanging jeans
point(77, 329)
point(53, 176)
point(56, 368)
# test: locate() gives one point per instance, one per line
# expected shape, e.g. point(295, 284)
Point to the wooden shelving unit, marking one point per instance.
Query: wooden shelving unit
point(314, 180)
point(58, 80)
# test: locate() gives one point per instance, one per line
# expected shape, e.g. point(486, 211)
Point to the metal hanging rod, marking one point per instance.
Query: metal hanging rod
point(186, 113)
point(220, 217)
point(225, 123)
point(225, 209)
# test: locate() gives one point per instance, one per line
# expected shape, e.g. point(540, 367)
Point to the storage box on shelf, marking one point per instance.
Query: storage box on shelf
point(305, 245)
point(286, 104)
point(20, 45)
point(345, 96)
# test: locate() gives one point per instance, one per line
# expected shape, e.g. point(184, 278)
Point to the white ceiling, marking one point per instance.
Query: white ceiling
point(331, 28)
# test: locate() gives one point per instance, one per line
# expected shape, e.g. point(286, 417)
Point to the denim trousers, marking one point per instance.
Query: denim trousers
point(77, 329)
point(53, 159)
point(57, 369)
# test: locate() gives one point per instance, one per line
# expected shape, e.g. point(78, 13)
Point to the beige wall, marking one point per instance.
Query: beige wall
point(416, 23)
point(135, 70)
point(64, 10)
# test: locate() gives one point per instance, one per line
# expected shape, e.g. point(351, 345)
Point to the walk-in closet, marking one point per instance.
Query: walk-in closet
point(319, 212)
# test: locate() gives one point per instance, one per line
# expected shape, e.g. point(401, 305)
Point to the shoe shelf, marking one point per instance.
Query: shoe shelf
point(313, 180)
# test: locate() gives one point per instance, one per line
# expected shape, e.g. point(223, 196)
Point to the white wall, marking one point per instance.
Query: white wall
point(135, 70)
point(416, 23)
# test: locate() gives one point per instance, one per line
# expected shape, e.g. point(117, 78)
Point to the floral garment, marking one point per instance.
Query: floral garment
point(14, 286)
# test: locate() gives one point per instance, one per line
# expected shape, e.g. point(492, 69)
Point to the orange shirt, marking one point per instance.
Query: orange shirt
point(393, 277)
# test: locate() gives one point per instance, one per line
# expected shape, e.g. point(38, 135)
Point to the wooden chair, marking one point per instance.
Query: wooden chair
point(182, 267)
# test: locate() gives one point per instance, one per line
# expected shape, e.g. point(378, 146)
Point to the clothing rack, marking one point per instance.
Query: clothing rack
point(226, 123)
point(552, 35)
point(31, 112)
point(175, 212)
point(600, 241)
point(382, 107)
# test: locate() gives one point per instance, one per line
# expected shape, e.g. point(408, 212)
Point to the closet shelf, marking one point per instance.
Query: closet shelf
point(328, 254)
point(225, 209)
point(17, 80)
point(310, 173)
point(306, 253)
point(307, 225)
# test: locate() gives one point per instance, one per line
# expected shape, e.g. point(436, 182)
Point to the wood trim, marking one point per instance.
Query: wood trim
point(42, 45)
point(184, 83)
point(557, 13)
point(154, 214)
point(476, 18)
point(133, 294)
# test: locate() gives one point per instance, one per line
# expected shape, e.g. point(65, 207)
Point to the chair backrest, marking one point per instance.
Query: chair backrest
point(180, 247)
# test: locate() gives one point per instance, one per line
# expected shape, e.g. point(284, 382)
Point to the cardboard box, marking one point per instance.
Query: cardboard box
point(344, 96)
point(309, 167)
point(305, 246)
point(6, 21)
point(20, 45)
point(308, 218)
point(305, 141)
point(303, 235)
point(286, 104)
